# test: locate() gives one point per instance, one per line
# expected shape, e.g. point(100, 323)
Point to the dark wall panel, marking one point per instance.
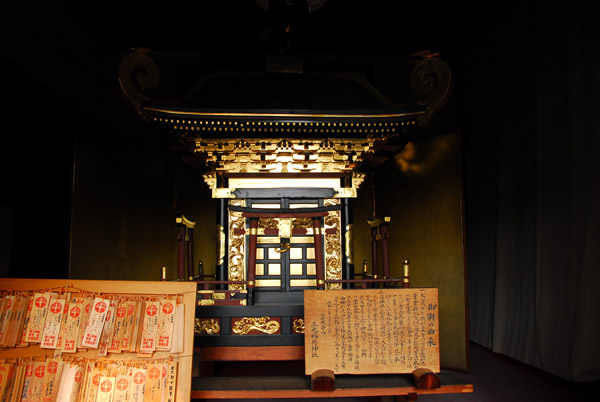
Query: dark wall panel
point(127, 195)
point(421, 189)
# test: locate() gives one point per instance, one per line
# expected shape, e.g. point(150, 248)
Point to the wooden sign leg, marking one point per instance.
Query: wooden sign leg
point(322, 380)
point(426, 379)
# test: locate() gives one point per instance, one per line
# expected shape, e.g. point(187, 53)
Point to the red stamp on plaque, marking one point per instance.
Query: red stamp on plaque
point(75, 312)
point(52, 367)
point(91, 338)
point(77, 376)
point(122, 384)
point(100, 307)
point(121, 311)
point(96, 379)
point(34, 334)
point(154, 373)
point(56, 307)
point(41, 302)
point(168, 308)
point(139, 378)
point(151, 310)
point(148, 343)
point(40, 371)
point(106, 386)
point(49, 339)
point(164, 340)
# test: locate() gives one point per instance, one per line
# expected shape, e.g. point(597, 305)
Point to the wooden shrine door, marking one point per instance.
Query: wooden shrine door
point(285, 260)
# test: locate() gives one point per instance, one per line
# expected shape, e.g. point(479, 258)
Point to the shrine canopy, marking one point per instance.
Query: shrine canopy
point(283, 120)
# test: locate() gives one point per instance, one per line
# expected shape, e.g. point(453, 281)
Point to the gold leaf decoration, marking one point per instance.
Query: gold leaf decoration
point(298, 326)
point(209, 326)
point(333, 244)
point(268, 223)
point(261, 324)
point(301, 223)
point(237, 263)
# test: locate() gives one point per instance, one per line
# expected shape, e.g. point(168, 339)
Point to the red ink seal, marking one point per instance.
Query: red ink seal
point(139, 378)
point(167, 308)
point(41, 302)
point(151, 310)
point(100, 307)
point(75, 312)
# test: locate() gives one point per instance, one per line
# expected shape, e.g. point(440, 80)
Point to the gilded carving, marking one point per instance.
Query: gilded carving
point(268, 223)
point(298, 326)
point(237, 262)
point(207, 326)
point(301, 223)
point(357, 179)
point(333, 244)
point(289, 155)
point(331, 202)
point(210, 179)
point(349, 241)
point(221, 244)
point(261, 324)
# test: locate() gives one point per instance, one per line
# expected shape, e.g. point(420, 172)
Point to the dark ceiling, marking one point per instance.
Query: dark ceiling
point(242, 25)
point(74, 46)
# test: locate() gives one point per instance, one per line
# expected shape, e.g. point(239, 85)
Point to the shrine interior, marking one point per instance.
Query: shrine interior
point(493, 200)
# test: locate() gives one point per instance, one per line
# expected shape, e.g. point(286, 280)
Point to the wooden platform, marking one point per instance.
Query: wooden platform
point(298, 386)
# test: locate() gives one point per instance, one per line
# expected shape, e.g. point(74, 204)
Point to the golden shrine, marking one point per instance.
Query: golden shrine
point(284, 152)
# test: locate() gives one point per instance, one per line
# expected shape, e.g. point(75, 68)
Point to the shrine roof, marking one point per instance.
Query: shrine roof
point(340, 105)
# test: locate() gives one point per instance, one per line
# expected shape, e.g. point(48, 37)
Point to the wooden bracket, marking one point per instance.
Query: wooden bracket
point(322, 380)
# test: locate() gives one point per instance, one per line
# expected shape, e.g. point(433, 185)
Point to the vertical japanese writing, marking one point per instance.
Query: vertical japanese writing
point(373, 331)
point(314, 339)
point(357, 332)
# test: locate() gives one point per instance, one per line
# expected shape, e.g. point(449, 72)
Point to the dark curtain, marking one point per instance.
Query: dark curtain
point(531, 145)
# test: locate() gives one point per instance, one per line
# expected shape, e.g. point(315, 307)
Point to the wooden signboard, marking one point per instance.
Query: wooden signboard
point(371, 331)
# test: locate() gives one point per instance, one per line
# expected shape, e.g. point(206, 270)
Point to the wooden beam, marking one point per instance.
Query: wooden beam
point(250, 353)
